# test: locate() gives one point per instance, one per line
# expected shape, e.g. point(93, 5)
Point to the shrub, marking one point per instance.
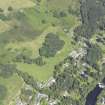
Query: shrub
point(51, 45)
point(39, 61)
point(7, 70)
point(10, 8)
point(93, 54)
point(59, 14)
point(3, 17)
point(3, 92)
point(1, 10)
point(26, 94)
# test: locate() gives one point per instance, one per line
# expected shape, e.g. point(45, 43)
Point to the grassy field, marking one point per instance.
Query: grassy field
point(41, 19)
point(36, 20)
point(7, 25)
point(13, 85)
point(16, 4)
point(61, 4)
point(58, 4)
point(4, 26)
point(34, 44)
point(44, 72)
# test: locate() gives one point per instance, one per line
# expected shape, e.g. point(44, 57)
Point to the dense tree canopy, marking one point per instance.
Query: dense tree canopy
point(94, 54)
point(51, 45)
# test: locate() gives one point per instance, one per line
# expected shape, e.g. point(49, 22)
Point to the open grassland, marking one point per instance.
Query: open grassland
point(59, 4)
point(62, 4)
point(44, 72)
point(4, 26)
point(33, 45)
point(32, 20)
point(16, 4)
point(41, 20)
point(7, 25)
point(20, 31)
point(13, 85)
point(40, 73)
point(35, 18)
